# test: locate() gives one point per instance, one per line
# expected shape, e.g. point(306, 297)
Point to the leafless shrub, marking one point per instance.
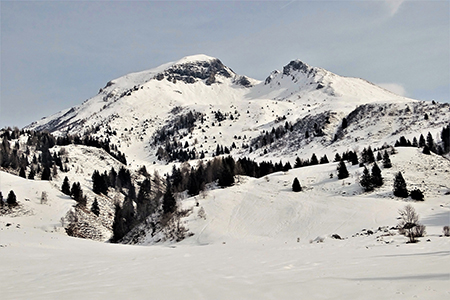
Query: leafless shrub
point(409, 224)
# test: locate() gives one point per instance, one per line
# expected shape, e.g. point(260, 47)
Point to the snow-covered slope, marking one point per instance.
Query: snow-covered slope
point(130, 110)
point(258, 240)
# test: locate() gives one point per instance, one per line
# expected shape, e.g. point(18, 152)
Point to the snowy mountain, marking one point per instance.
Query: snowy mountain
point(132, 110)
point(155, 151)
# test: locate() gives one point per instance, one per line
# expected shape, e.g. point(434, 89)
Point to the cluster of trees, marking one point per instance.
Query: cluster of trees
point(370, 181)
point(267, 138)
point(428, 144)
point(11, 200)
point(400, 189)
point(310, 162)
point(43, 163)
point(185, 121)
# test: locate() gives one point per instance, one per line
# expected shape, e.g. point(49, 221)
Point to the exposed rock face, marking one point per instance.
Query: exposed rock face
point(297, 65)
point(194, 71)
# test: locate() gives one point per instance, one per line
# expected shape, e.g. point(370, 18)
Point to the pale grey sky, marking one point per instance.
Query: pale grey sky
point(56, 54)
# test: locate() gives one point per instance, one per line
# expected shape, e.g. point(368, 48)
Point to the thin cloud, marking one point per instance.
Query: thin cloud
point(393, 6)
point(394, 88)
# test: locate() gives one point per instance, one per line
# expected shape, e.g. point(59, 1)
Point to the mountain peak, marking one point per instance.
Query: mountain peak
point(191, 69)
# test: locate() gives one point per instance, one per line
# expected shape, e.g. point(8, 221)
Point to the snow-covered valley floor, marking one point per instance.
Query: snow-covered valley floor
point(256, 242)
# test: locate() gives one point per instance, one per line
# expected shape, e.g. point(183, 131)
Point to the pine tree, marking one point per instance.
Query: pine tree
point(11, 200)
point(377, 178)
point(46, 174)
point(421, 141)
point(430, 142)
point(298, 163)
point(366, 181)
point(337, 157)
point(344, 123)
point(22, 173)
point(386, 160)
point(342, 170)
point(324, 159)
point(31, 174)
point(400, 189)
point(426, 150)
point(296, 187)
point(169, 204)
point(65, 188)
point(379, 157)
point(313, 160)
point(76, 192)
point(95, 209)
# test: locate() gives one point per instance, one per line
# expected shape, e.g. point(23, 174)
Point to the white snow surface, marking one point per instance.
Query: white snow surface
point(259, 240)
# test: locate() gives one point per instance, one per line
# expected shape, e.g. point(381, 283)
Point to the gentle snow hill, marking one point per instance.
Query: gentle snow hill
point(266, 210)
point(131, 109)
point(250, 243)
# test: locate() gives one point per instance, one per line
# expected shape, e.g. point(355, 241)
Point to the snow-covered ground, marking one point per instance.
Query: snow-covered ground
point(258, 240)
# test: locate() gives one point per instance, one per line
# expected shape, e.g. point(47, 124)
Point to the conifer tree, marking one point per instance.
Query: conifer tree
point(400, 189)
point(11, 200)
point(296, 187)
point(76, 192)
point(430, 142)
point(313, 160)
point(421, 141)
point(95, 209)
point(377, 178)
point(324, 159)
point(46, 174)
point(32, 174)
point(169, 203)
point(65, 188)
point(342, 170)
point(386, 160)
point(298, 163)
point(366, 181)
point(22, 173)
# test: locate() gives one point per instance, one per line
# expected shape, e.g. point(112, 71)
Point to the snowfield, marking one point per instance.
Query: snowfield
point(256, 240)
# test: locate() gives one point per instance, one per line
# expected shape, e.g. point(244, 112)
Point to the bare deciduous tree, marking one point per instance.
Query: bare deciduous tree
point(409, 224)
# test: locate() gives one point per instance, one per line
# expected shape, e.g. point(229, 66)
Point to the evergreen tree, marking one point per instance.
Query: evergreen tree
point(366, 181)
point(296, 187)
point(143, 200)
point(95, 209)
point(377, 178)
point(337, 157)
point(342, 170)
point(76, 192)
point(31, 174)
point(313, 160)
point(379, 157)
point(426, 150)
point(22, 173)
point(65, 188)
point(169, 204)
point(430, 142)
point(344, 123)
point(421, 141)
point(324, 159)
point(46, 174)
point(400, 189)
point(445, 137)
point(298, 163)
point(386, 160)
point(416, 194)
point(11, 200)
